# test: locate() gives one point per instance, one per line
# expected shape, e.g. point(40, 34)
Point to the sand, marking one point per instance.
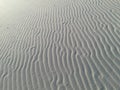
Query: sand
point(59, 45)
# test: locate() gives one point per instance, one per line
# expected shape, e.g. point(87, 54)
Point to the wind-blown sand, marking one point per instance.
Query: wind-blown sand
point(59, 45)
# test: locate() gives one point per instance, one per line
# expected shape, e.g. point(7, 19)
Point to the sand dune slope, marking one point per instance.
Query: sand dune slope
point(60, 45)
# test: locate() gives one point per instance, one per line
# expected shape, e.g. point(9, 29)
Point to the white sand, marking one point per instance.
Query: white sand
point(59, 45)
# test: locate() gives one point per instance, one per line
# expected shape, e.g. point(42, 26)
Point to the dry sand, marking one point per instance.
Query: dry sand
point(59, 45)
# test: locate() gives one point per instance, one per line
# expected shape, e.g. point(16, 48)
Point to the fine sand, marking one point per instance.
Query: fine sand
point(59, 44)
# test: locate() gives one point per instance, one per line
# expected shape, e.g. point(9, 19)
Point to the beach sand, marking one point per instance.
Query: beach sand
point(59, 45)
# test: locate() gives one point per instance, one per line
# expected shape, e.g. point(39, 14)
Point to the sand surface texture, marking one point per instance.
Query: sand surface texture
point(59, 44)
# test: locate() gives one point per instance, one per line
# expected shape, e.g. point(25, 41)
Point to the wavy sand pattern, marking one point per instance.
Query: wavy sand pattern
point(60, 45)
